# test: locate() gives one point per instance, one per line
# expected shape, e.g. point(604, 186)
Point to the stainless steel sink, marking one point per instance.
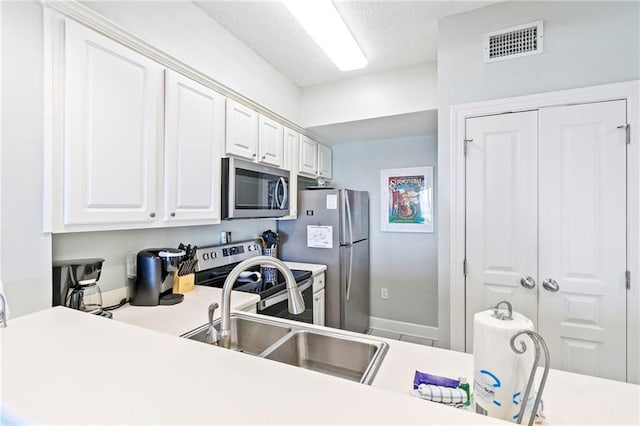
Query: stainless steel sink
point(337, 355)
point(334, 352)
point(248, 335)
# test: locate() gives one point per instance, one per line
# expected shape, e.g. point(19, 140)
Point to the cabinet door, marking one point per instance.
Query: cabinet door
point(324, 161)
point(194, 134)
point(241, 131)
point(112, 113)
point(308, 157)
point(270, 142)
point(291, 148)
point(318, 307)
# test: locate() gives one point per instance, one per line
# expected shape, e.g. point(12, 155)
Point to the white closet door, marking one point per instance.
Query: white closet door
point(501, 211)
point(583, 237)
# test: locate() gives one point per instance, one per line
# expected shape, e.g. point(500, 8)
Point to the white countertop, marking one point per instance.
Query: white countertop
point(67, 367)
point(178, 319)
point(314, 268)
point(111, 372)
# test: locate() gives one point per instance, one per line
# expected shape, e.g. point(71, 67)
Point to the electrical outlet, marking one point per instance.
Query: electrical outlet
point(384, 293)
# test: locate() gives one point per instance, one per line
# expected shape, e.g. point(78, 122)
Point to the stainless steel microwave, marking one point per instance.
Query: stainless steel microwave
point(251, 190)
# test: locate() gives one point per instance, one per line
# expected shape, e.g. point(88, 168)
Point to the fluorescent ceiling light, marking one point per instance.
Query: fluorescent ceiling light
point(324, 24)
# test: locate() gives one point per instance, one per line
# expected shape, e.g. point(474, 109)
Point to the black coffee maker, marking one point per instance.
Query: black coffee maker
point(154, 278)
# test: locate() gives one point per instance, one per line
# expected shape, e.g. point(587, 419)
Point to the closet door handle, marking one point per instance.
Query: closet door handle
point(527, 282)
point(551, 285)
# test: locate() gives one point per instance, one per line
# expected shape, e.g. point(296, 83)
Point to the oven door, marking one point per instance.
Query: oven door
point(251, 190)
point(278, 304)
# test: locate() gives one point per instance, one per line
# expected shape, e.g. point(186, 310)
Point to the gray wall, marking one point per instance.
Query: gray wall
point(404, 263)
point(113, 246)
point(585, 44)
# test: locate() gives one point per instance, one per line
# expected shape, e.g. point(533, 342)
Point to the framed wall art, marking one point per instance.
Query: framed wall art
point(407, 199)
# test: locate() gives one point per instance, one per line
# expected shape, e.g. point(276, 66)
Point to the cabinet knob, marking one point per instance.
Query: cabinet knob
point(253, 155)
point(152, 215)
point(173, 214)
point(264, 157)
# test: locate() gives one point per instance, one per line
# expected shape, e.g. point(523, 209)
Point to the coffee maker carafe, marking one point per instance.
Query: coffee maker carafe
point(154, 278)
point(75, 285)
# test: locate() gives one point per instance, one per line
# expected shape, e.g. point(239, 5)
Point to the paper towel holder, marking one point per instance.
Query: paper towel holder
point(501, 315)
point(538, 341)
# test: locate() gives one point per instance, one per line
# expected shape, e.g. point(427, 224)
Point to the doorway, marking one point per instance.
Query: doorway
point(546, 228)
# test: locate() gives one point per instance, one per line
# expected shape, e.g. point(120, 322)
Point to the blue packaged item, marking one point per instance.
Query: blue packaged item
point(421, 378)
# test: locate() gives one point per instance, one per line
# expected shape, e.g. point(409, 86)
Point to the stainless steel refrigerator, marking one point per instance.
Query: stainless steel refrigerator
point(333, 229)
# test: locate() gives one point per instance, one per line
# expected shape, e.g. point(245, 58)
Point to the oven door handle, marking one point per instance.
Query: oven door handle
point(282, 296)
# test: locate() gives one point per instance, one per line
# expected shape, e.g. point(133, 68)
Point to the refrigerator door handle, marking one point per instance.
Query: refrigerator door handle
point(349, 220)
point(350, 251)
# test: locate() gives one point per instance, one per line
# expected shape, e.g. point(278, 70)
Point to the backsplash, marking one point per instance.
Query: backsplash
point(114, 246)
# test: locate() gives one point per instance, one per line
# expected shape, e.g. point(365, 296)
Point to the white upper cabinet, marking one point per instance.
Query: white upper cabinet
point(324, 162)
point(308, 159)
point(194, 134)
point(112, 112)
point(241, 131)
point(291, 148)
point(270, 142)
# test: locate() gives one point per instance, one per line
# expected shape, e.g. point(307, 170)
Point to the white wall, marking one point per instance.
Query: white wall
point(26, 250)
point(585, 44)
point(185, 31)
point(404, 263)
point(399, 91)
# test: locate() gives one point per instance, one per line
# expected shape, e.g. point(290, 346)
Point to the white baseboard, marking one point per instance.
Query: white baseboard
point(418, 330)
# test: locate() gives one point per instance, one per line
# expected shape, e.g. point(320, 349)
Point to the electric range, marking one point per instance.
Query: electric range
point(216, 262)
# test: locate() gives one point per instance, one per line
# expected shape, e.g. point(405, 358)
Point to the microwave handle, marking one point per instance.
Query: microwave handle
point(274, 200)
point(285, 192)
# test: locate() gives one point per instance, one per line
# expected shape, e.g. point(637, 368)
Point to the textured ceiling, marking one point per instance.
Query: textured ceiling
point(392, 34)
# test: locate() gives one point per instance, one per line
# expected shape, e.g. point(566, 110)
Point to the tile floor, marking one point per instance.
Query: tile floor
point(403, 337)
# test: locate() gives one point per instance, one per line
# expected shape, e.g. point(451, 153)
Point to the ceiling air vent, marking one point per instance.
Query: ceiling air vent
point(514, 42)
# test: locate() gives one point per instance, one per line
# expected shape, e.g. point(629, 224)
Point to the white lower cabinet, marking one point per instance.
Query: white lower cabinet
point(194, 133)
point(318, 299)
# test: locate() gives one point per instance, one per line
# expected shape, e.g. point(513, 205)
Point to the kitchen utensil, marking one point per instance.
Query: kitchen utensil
point(270, 238)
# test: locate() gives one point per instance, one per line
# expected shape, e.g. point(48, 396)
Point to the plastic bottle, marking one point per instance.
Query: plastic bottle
point(465, 387)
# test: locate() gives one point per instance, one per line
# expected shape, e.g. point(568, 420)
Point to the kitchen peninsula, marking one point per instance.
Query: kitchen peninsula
point(64, 366)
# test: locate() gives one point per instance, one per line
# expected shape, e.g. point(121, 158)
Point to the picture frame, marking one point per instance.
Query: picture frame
point(406, 202)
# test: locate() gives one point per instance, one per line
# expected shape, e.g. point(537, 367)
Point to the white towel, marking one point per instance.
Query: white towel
point(442, 394)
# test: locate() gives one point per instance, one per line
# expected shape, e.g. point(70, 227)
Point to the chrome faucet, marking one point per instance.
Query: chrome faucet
point(296, 303)
point(3, 311)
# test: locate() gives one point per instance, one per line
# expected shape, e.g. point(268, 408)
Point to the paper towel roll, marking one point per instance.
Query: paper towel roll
point(500, 375)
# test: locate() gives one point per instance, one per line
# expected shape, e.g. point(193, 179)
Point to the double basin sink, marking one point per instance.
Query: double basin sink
point(336, 353)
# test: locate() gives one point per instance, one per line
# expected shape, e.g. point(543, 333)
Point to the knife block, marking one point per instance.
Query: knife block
point(183, 284)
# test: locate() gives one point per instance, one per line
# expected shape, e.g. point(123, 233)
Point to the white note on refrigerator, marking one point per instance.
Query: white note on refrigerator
point(332, 202)
point(319, 236)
